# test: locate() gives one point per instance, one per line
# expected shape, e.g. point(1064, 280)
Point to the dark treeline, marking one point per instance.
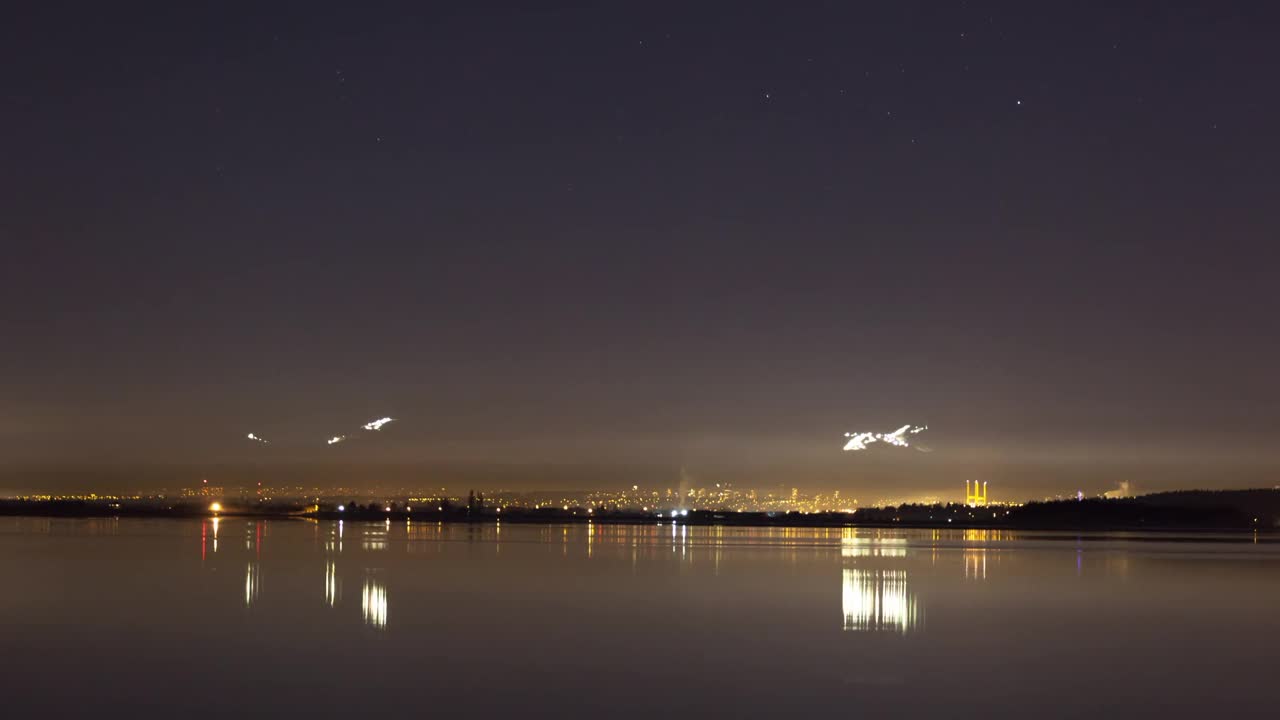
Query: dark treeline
point(1188, 510)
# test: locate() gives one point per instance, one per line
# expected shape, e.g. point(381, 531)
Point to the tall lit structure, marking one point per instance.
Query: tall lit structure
point(975, 496)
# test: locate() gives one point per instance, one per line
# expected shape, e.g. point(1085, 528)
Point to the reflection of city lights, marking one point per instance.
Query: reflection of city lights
point(878, 600)
point(373, 602)
point(252, 583)
point(852, 547)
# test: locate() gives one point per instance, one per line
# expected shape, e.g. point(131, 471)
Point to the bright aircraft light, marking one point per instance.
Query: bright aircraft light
point(215, 507)
point(897, 438)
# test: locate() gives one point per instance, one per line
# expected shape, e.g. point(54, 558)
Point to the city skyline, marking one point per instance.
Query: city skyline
point(745, 359)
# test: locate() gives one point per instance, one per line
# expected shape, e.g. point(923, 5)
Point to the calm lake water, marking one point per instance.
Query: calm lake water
point(184, 618)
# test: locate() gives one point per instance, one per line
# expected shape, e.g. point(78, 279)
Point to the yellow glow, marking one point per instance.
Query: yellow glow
point(977, 497)
point(215, 507)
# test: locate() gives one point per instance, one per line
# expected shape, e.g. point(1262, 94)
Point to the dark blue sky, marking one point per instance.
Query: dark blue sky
point(586, 243)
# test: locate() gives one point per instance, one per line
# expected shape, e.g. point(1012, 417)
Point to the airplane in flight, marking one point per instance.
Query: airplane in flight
point(374, 425)
point(897, 438)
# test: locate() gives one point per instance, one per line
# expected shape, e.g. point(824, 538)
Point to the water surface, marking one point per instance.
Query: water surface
point(182, 618)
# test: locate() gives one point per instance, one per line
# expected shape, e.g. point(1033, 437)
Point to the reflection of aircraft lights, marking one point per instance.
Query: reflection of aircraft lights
point(373, 602)
point(878, 600)
point(330, 584)
point(252, 583)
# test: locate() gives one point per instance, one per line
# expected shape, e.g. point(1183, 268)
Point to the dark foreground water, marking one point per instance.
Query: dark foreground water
point(238, 618)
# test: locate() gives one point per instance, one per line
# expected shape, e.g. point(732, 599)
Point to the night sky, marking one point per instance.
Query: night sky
point(573, 244)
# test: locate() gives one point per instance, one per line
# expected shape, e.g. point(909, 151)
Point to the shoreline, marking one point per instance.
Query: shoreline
point(695, 518)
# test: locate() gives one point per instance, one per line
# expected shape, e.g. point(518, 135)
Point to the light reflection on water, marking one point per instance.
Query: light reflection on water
point(373, 603)
point(599, 609)
point(878, 600)
point(252, 583)
point(330, 584)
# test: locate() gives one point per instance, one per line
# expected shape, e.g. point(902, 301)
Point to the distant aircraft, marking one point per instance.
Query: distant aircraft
point(897, 438)
point(373, 425)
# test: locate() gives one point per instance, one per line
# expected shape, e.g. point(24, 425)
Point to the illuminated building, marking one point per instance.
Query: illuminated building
point(977, 496)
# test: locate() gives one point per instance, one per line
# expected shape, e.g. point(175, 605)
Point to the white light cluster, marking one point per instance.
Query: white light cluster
point(897, 438)
point(373, 603)
point(878, 600)
point(372, 425)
